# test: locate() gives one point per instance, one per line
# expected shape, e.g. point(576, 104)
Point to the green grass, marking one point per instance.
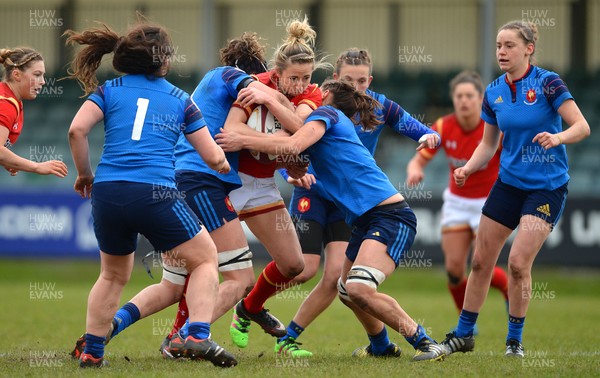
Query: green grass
point(39, 328)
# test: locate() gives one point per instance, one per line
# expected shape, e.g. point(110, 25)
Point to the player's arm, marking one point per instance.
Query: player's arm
point(482, 154)
point(415, 169)
point(276, 102)
point(578, 128)
point(84, 121)
point(274, 144)
point(208, 150)
point(403, 123)
point(236, 121)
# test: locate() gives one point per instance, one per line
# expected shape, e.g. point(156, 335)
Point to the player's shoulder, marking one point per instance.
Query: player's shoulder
point(379, 97)
point(325, 111)
point(496, 83)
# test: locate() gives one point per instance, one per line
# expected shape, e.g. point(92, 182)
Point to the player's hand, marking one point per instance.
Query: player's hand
point(414, 177)
point(83, 186)
point(296, 171)
point(52, 167)
point(547, 140)
point(460, 176)
point(250, 96)
point(225, 168)
point(428, 141)
point(12, 171)
point(230, 141)
point(305, 182)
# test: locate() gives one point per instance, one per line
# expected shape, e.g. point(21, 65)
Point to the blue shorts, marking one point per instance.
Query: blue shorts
point(507, 204)
point(121, 210)
point(394, 225)
point(208, 197)
point(317, 220)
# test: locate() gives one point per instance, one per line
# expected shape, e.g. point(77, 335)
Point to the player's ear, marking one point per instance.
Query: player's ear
point(16, 74)
point(370, 80)
point(335, 76)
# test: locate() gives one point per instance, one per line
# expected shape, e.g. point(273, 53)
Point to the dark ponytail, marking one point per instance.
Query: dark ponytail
point(145, 49)
point(350, 101)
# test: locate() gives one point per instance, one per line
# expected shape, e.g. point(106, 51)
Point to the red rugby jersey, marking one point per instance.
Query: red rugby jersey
point(11, 114)
point(311, 96)
point(459, 145)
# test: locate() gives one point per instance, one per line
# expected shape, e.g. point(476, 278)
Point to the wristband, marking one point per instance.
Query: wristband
point(559, 140)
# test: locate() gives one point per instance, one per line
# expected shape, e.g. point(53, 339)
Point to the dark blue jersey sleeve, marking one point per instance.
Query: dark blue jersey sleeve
point(325, 114)
point(98, 97)
point(192, 117)
point(487, 113)
point(400, 120)
point(555, 90)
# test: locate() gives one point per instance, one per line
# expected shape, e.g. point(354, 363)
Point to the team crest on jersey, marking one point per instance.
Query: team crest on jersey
point(229, 205)
point(530, 97)
point(304, 204)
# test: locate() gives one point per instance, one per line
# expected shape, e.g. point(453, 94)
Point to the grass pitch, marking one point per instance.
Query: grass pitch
point(44, 302)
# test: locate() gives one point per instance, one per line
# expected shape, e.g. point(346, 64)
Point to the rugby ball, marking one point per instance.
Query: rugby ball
point(263, 121)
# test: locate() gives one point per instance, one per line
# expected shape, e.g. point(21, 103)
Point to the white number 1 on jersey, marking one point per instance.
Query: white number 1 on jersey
point(140, 117)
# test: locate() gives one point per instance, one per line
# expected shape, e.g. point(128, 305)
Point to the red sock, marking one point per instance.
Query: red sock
point(458, 293)
point(182, 311)
point(500, 281)
point(269, 281)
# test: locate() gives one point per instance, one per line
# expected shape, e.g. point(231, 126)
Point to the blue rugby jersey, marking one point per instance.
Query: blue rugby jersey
point(522, 110)
point(143, 119)
point(214, 95)
point(392, 115)
point(348, 172)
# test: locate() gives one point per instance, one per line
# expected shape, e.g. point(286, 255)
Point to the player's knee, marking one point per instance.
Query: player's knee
point(517, 268)
point(308, 272)
point(454, 278)
point(362, 281)
point(293, 269)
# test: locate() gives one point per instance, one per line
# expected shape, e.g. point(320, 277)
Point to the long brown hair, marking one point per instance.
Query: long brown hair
point(18, 58)
point(245, 53)
point(350, 101)
point(144, 49)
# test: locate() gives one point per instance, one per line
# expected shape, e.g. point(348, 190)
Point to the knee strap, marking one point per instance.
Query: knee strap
point(236, 259)
point(365, 275)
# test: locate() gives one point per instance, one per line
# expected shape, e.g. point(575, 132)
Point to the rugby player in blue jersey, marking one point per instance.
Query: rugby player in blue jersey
point(528, 105)
point(133, 189)
point(320, 223)
point(383, 224)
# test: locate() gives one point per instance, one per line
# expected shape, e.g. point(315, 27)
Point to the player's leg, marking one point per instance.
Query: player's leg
point(379, 342)
point(500, 216)
point(336, 239)
point(456, 245)
point(541, 211)
point(199, 255)
point(103, 302)
point(276, 232)
point(259, 203)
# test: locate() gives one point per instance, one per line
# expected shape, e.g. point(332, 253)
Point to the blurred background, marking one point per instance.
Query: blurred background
point(417, 46)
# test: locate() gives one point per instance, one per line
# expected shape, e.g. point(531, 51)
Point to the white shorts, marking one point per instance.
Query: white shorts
point(256, 196)
point(460, 213)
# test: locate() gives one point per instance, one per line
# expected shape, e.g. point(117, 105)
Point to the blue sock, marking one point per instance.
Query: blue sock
point(419, 335)
point(126, 316)
point(466, 323)
point(184, 331)
point(293, 330)
point(515, 328)
point(379, 342)
point(199, 330)
point(94, 345)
